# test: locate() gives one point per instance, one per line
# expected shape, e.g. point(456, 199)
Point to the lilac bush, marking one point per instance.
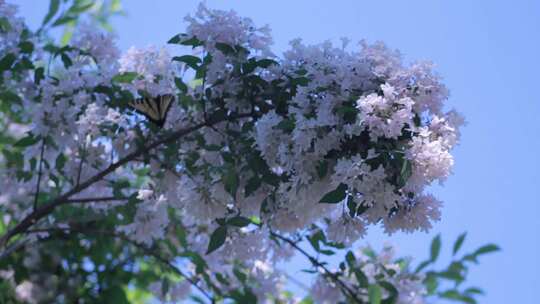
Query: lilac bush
point(258, 152)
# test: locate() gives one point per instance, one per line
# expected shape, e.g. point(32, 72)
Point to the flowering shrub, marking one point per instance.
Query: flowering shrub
point(258, 152)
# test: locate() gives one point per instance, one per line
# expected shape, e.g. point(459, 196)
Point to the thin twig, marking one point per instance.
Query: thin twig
point(316, 263)
point(14, 247)
point(36, 197)
point(79, 172)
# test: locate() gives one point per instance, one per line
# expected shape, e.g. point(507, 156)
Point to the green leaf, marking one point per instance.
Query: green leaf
point(474, 290)
point(435, 248)
point(249, 66)
point(422, 265)
point(352, 206)
point(4, 25)
point(252, 185)
point(470, 257)
point(431, 283)
point(306, 300)
point(176, 39)
point(327, 252)
point(455, 295)
point(54, 5)
point(265, 63)
point(459, 243)
point(39, 74)
point(165, 286)
point(348, 112)
point(193, 41)
point(239, 221)
point(315, 238)
point(27, 141)
point(24, 64)
point(255, 220)
point(68, 33)
point(195, 83)
point(225, 48)
point(60, 162)
point(300, 81)
point(450, 294)
point(10, 97)
point(242, 277)
point(486, 249)
point(184, 40)
point(375, 294)
point(189, 60)
point(180, 84)
point(350, 259)
point(79, 8)
point(451, 275)
point(118, 185)
point(64, 20)
point(245, 297)
point(286, 125)
point(113, 294)
point(66, 60)
point(361, 277)
point(405, 173)
point(26, 47)
point(126, 77)
point(392, 293)
point(7, 61)
point(217, 239)
point(322, 168)
point(335, 196)
point(230, 180)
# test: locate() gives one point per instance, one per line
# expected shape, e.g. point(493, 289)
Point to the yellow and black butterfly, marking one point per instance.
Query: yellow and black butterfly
point(154, 108)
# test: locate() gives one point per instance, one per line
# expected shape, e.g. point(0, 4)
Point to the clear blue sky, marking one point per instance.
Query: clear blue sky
point(488, 53)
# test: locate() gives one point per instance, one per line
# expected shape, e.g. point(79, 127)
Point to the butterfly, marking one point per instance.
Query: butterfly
point(154, 108)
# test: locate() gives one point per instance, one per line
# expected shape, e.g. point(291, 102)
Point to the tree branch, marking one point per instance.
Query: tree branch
point(95, 199)
point(50, 205)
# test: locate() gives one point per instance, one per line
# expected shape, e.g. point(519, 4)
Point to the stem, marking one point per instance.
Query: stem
point(316, 263)
point(79, 172)
point(39, 174)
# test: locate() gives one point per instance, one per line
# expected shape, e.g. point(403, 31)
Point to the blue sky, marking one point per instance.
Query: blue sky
point(488, 53)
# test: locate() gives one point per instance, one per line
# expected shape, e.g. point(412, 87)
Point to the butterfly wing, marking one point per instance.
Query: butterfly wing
point(165, 105)
point(155, 109)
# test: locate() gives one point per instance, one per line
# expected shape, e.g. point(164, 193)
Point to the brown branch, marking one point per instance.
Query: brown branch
point(50, 205)
point(95, 199)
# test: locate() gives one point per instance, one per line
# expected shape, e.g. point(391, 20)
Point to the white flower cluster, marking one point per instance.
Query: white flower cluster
point(154, 69)
point(374, 123)
point(11, 27)
point(227, 27)
point(363, 119)
point(64, 111)
point(344, 139)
